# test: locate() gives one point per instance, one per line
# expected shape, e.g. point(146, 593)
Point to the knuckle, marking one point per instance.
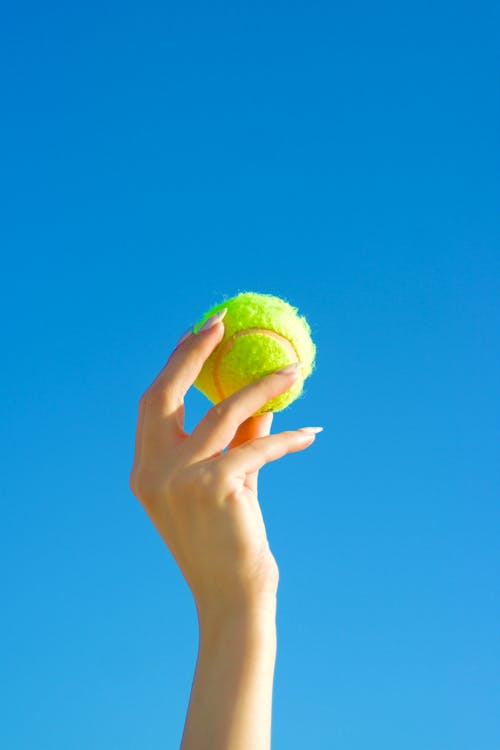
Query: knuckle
point(206, 476)
point(218, 411)
point(181, 483)
point(193, 483)
point(178, 484)
point(160, 398)
point(139, 483)
point(218, 473)
point(132, 482)
point(232, 410)
point(147, 485)
point(258, 449)
point(224, 411)
point(143, 400)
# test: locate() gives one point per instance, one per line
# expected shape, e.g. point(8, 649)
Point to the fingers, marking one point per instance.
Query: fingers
point(252, 428)
point(187, 359)
point(220, 425)
point(252, 456)
point(161, 410)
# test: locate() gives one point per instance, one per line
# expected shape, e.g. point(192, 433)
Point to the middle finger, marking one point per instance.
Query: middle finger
point(219, 426)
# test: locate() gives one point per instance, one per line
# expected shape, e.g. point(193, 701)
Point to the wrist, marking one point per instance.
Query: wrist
point(253, 624)
point(231, 700)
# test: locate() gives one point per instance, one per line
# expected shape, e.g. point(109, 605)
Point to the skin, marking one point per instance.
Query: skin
point(203, 502)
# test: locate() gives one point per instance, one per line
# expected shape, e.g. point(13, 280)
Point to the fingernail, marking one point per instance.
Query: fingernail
point(184, 337)
point(310, 430)
point(211, 322)
point(289, 369)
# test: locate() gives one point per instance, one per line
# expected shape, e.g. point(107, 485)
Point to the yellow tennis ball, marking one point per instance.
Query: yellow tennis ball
point(262, 333)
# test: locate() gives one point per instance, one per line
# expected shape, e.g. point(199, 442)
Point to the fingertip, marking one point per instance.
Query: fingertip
point(213, 321)
point(210, 337)
point(310, 430)
point(187, 359)
point(193, 340)
point(306, 437)
point(184, 337)
point(263, 422)
point(285, 378)
point(252, 428)
point(302, 440)
point(291, 370)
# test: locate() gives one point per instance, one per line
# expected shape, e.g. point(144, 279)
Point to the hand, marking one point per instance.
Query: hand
point(202, 500)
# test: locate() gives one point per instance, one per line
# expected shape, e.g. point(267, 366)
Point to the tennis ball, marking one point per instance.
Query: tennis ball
point(262, 333)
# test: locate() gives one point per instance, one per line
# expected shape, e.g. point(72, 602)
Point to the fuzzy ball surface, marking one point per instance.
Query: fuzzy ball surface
point(262, 333)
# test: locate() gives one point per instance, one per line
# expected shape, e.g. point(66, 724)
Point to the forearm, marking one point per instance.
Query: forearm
point(231, 698)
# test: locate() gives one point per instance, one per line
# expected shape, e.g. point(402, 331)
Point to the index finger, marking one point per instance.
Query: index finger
point(161, 411)
point(186, 361)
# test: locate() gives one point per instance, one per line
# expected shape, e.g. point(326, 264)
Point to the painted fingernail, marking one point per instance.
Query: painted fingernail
point(289, 369)
point(310, 430)
point(184, 337)
point(211, 322)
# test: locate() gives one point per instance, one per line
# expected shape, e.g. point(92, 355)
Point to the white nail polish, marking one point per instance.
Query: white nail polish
point(184, 337)
point(289, 369)
point(212, 321)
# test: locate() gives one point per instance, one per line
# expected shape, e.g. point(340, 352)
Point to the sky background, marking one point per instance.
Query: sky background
point(156, 158)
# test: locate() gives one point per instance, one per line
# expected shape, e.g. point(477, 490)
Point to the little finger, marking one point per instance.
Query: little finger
point(252, 456)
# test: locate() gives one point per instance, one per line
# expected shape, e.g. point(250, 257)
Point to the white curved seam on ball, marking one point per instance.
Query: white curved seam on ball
point(226, 346)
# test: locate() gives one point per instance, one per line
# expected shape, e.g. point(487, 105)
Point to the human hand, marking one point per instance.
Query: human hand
point(202, 500)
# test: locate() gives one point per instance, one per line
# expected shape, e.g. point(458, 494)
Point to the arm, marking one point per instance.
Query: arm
point(203, 502)
point(231, 699)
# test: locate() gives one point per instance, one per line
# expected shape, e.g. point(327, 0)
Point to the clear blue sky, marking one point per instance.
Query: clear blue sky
point(156, 157)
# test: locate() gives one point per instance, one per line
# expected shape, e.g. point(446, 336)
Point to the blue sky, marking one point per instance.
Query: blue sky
point(155, 159)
